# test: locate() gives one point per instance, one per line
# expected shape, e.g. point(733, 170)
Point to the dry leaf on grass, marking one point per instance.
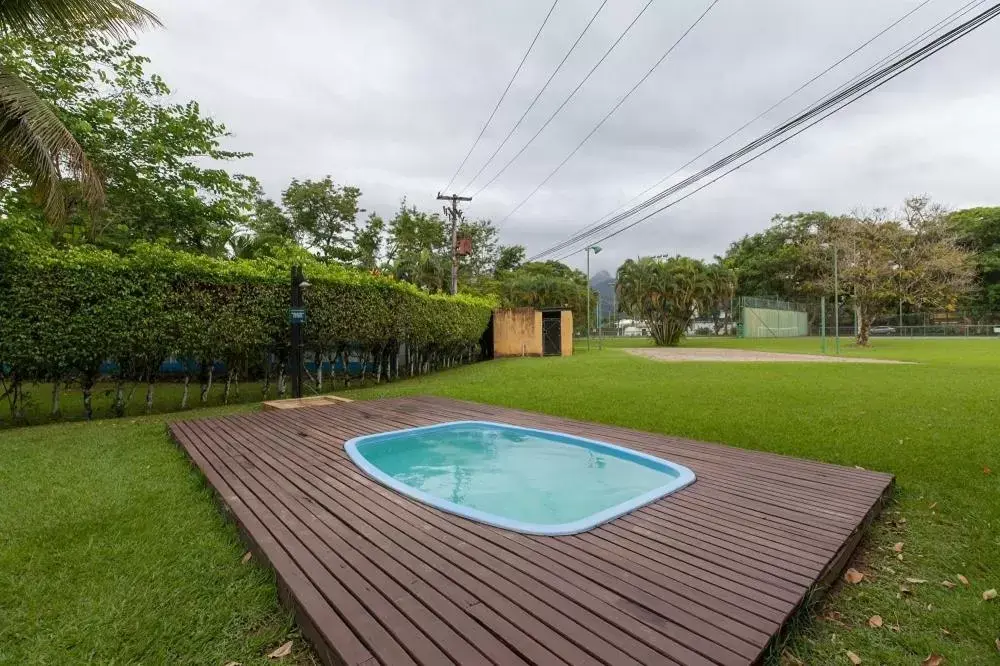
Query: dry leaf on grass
point(962, 579)
point(875, 621)
point(900, 557)
point(932, 660)
point(282, 651)
point(989, 594)
point(855, 659)
point(789, 659)
point(233, 663)
point(915, 581)
point(933, 505)
point(945, 631)
point(997, 643)
point(246, 557)
point(904, 590)
point(987, 471)
point(898, 547)
point(948, 584)
point(853, 576)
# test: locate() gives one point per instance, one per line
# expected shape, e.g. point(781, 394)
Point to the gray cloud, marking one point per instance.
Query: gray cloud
point(389, 94)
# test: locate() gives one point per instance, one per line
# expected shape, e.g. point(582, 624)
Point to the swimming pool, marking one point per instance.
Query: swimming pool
point(521, 479)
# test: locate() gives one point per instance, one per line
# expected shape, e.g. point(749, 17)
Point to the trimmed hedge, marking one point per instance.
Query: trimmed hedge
point(64, 313)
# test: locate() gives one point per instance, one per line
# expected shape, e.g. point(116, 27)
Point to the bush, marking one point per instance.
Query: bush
point(65, 313)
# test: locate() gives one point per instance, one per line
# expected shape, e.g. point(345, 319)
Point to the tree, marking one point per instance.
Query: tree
point(883, 261)
point(155, 157)
point(777, 262)
point(34, 141)
point(323, 217)
point(368, 242)
point(417, 248)
point(667, 293)
point(978, 232)
point(546, 284)
point(510, 258)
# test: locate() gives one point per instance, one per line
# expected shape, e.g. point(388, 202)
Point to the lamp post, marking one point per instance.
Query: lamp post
point(596, 249)
point(297, 317)
point(836, 302)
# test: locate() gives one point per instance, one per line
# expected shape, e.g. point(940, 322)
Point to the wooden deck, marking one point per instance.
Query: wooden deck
point(705, 576)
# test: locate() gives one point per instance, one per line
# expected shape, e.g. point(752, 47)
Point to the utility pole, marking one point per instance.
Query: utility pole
point(453, 213)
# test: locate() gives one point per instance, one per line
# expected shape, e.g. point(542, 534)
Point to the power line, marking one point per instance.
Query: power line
point(827, 108)
point(584, 230)
point(615, 108)
point(502, 96)
point(562, 62)
point(567, 100)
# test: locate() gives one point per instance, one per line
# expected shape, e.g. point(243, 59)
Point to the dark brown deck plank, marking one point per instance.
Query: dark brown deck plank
point(705, 576)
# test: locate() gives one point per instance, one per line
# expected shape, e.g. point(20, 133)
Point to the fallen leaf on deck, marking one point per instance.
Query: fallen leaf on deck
point(948, 584)
point(855, 659)
point(246, 557)
point(915, 581)
point(989, 594)
point(853, 576)
point(898, 547)
point(875, 621)
point(962, 579)
point(282, 651)
point(932, 660)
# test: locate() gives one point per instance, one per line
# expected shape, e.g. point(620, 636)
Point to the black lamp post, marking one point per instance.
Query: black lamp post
point(297, 317)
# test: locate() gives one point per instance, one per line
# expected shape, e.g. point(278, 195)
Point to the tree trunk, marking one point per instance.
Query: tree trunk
point(119, 405)
point(56, 408)
point(281, 381)
point(267, 379)
point(345, 358)
point(149, 393)
point(229, 383)
point(88, 408)
point(206, 385)
point(187, 390)
point(319, 372)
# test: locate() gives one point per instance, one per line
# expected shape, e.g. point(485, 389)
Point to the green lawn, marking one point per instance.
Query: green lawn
point(114, 551)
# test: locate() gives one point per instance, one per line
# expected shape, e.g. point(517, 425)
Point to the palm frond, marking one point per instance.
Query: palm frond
point(116, 17)
point(34, 140)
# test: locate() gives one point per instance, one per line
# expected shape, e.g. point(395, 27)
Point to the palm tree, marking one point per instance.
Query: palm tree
point(32, 138)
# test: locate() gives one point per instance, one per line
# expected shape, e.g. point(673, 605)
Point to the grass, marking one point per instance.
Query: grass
point(114, 552)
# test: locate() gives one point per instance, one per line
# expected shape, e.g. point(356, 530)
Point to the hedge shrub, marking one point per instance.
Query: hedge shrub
point(65, 313)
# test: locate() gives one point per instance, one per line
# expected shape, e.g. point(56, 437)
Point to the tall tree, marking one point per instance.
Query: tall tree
point(546, 284)
point(34, 141)
point(915, 259)
point(666, 293)
point(323, 216)
point(368, 242)
point(979, 233)
point(776, 261)
point(158, 158)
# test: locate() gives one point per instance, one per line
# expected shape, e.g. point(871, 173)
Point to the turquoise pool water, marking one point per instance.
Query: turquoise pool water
point(533, 481)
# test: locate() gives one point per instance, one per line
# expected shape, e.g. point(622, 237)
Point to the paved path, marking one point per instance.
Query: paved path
point(745, 355)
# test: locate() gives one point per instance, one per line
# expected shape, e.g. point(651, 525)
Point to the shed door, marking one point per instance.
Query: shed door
point(551, 334)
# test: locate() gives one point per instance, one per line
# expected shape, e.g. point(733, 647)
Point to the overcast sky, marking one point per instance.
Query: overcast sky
point(388, 95)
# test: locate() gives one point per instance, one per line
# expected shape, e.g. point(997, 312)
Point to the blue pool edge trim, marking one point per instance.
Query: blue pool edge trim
point(685, 477)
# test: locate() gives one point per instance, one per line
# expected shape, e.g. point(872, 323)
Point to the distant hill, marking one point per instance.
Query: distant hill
point(603, 283)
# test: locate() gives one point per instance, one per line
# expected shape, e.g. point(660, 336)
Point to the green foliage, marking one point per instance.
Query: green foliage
point(547, 284)
point(322, 216)
point(64, 312)
point(668, 293)
point(155, 157)
point(979, 233)
point(777, 261)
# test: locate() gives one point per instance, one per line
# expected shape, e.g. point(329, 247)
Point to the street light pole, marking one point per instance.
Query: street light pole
point(836, 301)
point(596, 249)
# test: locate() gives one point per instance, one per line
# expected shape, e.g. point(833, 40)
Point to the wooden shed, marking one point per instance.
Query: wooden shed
point(530, 332)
